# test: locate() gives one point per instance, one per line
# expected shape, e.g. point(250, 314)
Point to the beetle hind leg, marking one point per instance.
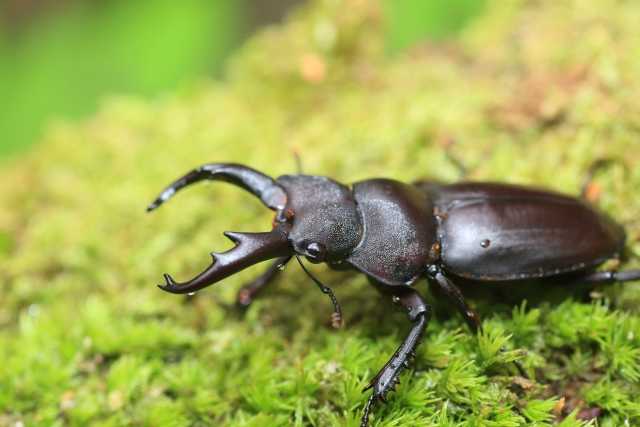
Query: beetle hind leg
point(604, 277)
point(418, 312)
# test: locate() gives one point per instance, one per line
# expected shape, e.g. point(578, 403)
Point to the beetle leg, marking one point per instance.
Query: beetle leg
point(435, 276)
point(463, 172)
point(418, 312)
point(588, 179)
point(248, 293)
point(603, 277)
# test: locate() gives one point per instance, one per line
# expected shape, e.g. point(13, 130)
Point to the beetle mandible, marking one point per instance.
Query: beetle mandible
point(397, 233)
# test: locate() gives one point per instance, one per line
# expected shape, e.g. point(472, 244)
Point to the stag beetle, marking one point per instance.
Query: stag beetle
point(397, 233)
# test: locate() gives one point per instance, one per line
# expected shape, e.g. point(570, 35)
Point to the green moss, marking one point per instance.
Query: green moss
point(531, 93)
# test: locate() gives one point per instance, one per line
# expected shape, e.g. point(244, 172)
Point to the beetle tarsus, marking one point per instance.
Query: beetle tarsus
point(367, 411)
point(519, 366)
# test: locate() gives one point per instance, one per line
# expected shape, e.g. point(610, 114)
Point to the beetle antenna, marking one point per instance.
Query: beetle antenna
point(336, 318)
point(296, 156)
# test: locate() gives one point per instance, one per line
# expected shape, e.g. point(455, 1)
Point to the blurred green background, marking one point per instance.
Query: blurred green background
point(87, 339)
point(59, 57)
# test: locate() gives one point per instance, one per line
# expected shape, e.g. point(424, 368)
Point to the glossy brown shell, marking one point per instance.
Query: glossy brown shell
point(503, 232)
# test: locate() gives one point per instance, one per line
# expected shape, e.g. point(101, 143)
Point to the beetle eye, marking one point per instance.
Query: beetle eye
point(316, 252)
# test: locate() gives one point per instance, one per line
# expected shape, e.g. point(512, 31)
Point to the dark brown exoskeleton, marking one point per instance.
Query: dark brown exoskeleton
point(397, 233)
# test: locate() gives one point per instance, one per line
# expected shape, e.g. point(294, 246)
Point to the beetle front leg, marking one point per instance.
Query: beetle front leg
point(418, 312)
point(435, 276)
point(248, 293)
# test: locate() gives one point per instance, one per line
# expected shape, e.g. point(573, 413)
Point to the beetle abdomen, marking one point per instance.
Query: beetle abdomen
point(505, 232)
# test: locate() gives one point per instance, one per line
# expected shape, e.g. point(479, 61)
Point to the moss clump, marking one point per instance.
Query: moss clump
point(533, 92)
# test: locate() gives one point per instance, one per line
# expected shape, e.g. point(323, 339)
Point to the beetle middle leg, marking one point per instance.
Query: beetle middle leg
point(418, 312)
point(436, 277)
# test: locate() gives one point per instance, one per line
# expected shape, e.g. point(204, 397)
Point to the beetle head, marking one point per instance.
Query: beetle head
point(315, 217)
point(322, 213)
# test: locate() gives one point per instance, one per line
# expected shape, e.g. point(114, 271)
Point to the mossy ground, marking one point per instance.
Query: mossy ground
point(533, 92)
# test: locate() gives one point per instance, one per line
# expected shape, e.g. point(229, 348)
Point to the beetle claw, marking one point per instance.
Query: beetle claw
point(250, 249)
point(251, 180)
